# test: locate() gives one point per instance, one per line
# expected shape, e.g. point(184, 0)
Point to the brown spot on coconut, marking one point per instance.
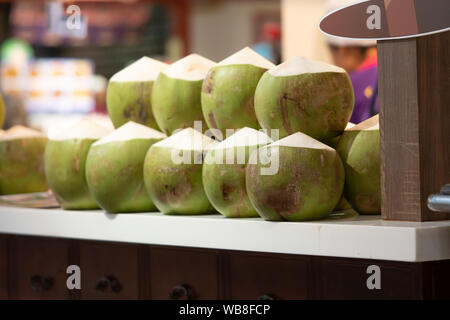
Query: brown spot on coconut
point(359, 148)
point(65, 163)
point(303, 188)
point(114, 168)
point(229, 90)
point(176, 96)
point(302, 95)
point(173, 173)
point(224, 172)
point(22, 161)
point(129, 93)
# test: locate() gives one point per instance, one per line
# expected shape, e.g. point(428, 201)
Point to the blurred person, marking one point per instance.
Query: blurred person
point(270, 45)
point(15, 113)
point(98, 86)
point(359, 59)
point(15, 55)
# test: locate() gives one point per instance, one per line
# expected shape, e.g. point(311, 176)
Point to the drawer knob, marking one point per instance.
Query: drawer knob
point(108, 282)
point(38, 283)
point(267, 297)
point(182, 292)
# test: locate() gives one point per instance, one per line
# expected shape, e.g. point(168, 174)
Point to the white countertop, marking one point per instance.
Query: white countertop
point(366, 237)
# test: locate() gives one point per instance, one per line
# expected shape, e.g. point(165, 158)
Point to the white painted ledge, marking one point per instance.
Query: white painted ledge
point(366, 237)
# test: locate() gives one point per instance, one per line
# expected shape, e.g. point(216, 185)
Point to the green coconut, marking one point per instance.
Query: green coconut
point(302, 95)
point(173, 173)
point(114, 169)
point(2, 112)
point(228, 91)
point(129, 93)
point(176, 97)
point(22, 161)
point(307, 185)
point(224, 173)
point(359, 148)
point(335, 141)
point(343, 203)
point(65, 164)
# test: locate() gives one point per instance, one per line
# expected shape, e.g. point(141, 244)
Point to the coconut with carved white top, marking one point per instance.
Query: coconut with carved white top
point(228, 91)
point(359, 148)
point(307, 185)
point(176, 97)
point(173, 173)
point(224, 172)
point(65, 163)
point(129, 93)
point(302, 95)
point(114, 168)
point(22, 161)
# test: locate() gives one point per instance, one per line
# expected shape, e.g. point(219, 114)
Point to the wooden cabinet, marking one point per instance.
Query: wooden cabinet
point(37, 268)
point(184, 274)
point(267, 276)
point(3, 269)
point(347, 279)
point(109, 271)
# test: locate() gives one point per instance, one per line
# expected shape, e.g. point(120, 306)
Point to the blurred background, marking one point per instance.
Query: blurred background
point(56, 56)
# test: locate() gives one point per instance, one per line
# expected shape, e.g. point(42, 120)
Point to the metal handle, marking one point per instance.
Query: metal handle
point(267, 297)
point(446, 190)
point(439, 203)
point(182, 292)
point(39, 284)
point(106, 282)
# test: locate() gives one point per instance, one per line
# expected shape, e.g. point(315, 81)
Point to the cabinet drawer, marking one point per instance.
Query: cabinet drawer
point(178, 273)
point(109, 271)
point(3, 269)
point(347, 279)
point(265, 276)
point(37, 267)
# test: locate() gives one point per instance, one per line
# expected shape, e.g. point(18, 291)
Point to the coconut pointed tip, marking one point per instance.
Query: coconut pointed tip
point(247, 56)
point(131, 131)
point(193, 67)
point(143, 69)
point(21, 132)
point(301, 140)
point(138, 127)
point(84, 128)
point(367, 125)
point(187, 139)
point(245, 137)
point(301, 65)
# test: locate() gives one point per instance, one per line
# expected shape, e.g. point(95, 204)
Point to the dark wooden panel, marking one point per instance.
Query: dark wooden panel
point(37, 268)
point(3, 269)
point(415, 122)
point(433, 70)
point(109, 271)
point(254, 276)
point(172, 268)
point(342, 279)
point(440, 282)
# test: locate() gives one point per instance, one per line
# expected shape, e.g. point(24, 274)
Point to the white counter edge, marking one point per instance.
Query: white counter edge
point(365, 237)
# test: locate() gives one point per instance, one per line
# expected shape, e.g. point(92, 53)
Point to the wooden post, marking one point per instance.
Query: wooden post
point(414, 93)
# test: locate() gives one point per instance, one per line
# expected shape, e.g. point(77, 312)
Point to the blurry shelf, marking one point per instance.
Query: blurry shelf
point(366, 237)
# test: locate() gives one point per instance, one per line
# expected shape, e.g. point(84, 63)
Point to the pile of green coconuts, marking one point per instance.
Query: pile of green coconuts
point(243, 138)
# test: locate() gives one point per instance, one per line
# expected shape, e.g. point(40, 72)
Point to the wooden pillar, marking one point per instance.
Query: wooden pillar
point(414, 93)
